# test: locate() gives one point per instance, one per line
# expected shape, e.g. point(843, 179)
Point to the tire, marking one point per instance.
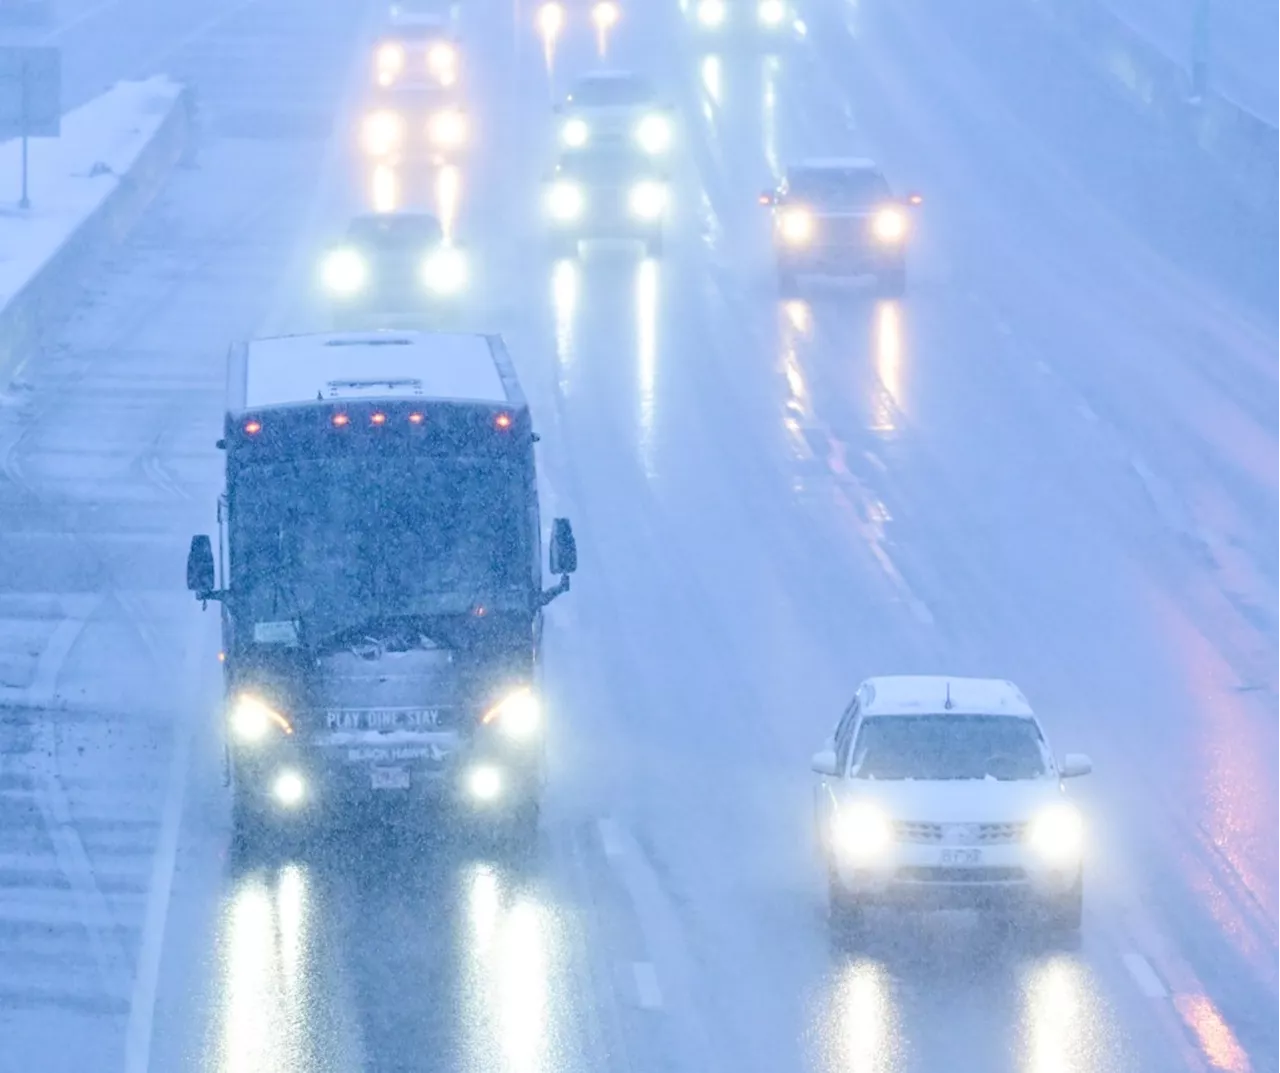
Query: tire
point(892, 282)
point(844, 913)
point(1063, 914)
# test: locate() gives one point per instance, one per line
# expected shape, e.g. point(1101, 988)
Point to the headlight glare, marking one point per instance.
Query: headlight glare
point(653, 134)
point(252, 719)
point(771, 12)
point(390, 61)
point(445, 271)
point(484, 782)
point(861, 831)
point(1056, 834)
point(289, 788)
point(796, 226)
point(711, 12)
point(345, 272)
point(889, 225)
point(448, 129)
point(565, 201)
point(605, 14)
point(383, 133)
point(442, 61)
point(575, 133)
point(518, 715)
point(647, 200)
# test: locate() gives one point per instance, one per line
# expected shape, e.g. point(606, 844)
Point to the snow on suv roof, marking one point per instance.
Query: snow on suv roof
point(928, 694)
point(296, 369)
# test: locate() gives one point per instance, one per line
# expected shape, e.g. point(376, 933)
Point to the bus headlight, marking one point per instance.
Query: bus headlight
point(653, 134)
point(252, 719)
point(647, 200)
point(551, 18)
point(288, 788)
point(390, 62)
point(518, 715)
point(1056, 834)
point(383, 133)
point(445, 271)
point(448, 129)
point(771, 13)
point(442, 62)
point(796, 226)
point(484, 782)
point(575, 133)
point(344, 272)
point(889, 226)
point(711, 13)
point(605, 14)
point(861, 832)
point(565, 201)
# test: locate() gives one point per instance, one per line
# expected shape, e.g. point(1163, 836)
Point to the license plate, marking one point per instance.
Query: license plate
point(390, 778)
point(960, 857)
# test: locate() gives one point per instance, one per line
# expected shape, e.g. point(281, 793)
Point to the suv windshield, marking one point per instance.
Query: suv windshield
point(338, 540)
point(610, 92)
point(948, 747)
point(838, 188)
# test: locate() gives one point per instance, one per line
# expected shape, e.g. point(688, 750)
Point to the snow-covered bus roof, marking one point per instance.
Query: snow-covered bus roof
point(294, 370)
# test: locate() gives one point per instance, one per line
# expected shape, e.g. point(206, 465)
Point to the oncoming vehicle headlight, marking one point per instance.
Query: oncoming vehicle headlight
point(771, 12)
point(551, 18)
point(518, 715)
point(442, 61)
point(653, 134)
point(796, 226)
point(445, 271)
point(447, 129)
point(889, 225)
point(861, 831)
point(383, 133)
point(1056, 834)
point(647, 200)
point(605, 14)
point(484, 782)
point(252, 719)
point(390, 62)
point(565, 201)
point(575, 133)
point(711, 12)
point(344, 272)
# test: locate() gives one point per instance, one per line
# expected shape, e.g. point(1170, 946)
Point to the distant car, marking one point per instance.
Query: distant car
point(417, 49)
point(942, 792)
point(606, 196)
point(614, 111)
point(393, 270)
point(423, 125)
point(839, 217)
point(769, 20)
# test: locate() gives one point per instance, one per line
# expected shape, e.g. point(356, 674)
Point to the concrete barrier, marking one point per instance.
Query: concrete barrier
point(1244, 144)
point(45, 299)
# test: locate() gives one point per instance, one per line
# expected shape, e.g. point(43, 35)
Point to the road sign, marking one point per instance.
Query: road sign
point(30, 91)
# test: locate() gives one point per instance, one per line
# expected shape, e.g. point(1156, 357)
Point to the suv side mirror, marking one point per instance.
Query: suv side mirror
point(1074, 765)
point(824, 763)
point(564, 549)
point(200, 574)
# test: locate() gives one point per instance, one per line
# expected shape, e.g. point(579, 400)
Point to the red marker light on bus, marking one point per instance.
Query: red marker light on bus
point(416, 419)
point(502, 421)
point(379, 419)
point(252, 428)
point(339, 420)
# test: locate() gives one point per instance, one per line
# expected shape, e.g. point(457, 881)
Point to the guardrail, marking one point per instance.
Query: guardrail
point(1243, 143)
point(46, 298)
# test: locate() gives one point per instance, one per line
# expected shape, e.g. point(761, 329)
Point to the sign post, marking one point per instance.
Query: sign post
point(30, 98)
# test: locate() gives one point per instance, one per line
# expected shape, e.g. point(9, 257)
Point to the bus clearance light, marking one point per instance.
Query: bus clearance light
point(339, 420)
point(502, 421)
point(252, 428)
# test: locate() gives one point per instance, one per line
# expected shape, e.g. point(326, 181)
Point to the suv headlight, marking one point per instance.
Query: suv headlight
point(251, 719)
point(889, 226)
point(565, 201)
point(390, 62)
point(647, 200)
point(1056, 834)
point(653, 134)
point(447, 129)
point(383, 133)
point(861, 831)
point(442, 61)
point(344, 272)
point(796, 226)
point(711, 12)
point(518, 715)
point(771, 12)
point(445, 271)
point(575, 133)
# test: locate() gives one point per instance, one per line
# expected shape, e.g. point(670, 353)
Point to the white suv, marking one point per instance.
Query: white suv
point(943, 793)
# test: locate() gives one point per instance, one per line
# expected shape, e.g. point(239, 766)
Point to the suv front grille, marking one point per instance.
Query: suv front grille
point(960, 834)
point(978, 874)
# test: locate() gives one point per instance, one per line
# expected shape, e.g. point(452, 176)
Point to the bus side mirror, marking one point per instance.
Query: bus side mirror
point(200, 576)
point(564, 549)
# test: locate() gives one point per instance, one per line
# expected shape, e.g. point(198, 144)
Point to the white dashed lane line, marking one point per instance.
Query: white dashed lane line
point(1145, 976)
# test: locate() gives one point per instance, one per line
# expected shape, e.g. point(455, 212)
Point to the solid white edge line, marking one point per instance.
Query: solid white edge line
point(648, 992)
point(1144, 975)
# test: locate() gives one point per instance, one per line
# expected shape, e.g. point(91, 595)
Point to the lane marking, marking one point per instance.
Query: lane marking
point(648, 992)
point(610, 837)
point(1145, 976)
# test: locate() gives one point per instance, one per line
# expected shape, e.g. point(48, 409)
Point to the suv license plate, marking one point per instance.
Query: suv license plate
point(960, 857)
point(390, 778)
